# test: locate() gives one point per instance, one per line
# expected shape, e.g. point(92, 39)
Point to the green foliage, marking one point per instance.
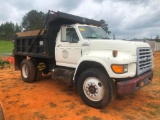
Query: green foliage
point(17, 28)
point(91, 118)
point(3, 62)
point(105, 26)
point(33, 20)
point(8, 30)
point(6, 46)
point(157, 39)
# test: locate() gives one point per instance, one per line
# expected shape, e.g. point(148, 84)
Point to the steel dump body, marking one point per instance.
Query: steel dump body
point(43, 45)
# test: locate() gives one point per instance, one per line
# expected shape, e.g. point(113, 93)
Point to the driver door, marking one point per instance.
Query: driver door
point(68, 49)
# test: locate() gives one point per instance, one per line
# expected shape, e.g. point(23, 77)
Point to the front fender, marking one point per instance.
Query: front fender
point(106, 59)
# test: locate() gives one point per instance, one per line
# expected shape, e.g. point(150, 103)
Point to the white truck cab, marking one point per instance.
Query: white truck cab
point(77, 43)
point(124, 62)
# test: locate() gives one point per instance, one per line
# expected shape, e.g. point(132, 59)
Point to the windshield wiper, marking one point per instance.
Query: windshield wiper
point(91, 37)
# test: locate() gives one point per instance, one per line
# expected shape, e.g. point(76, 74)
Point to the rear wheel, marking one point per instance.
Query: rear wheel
point(28, 71)
point(95, 88)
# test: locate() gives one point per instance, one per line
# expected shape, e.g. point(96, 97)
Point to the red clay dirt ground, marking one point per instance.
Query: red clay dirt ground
point(49, 99)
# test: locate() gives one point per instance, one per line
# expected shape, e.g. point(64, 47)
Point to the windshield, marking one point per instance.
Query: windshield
point(92, 32)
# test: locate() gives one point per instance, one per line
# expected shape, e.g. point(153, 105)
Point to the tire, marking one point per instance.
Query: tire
point(1, 113)
point(28, 71)
point(95, 88)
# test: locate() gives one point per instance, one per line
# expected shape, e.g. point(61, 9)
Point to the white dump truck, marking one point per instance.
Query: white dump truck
point(79, 51)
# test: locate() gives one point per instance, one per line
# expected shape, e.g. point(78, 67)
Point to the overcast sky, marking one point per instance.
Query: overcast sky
point(126, 18)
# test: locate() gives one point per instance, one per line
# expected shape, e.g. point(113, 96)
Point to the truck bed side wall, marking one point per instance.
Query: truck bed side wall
point(22, 46)
point(42, 51)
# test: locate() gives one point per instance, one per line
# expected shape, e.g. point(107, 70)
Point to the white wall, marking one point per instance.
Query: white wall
point(154, 45)
point(157, 46)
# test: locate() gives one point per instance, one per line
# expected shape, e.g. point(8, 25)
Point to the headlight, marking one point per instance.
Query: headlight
point(119, 69)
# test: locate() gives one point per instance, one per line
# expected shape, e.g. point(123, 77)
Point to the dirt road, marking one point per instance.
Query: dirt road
point(49, 99)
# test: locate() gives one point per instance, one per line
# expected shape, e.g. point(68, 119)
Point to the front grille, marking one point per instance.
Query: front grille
point(144, 60)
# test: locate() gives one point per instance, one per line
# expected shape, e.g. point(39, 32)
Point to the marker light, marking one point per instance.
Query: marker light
point(115, 53)
point(119, 69)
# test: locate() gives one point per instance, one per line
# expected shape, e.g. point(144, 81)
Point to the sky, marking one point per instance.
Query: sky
point(126, 19)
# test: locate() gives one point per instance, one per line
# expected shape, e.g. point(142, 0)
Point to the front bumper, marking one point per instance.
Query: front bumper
point(129, 86)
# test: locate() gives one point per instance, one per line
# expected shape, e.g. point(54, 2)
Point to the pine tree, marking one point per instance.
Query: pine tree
point(33, 20)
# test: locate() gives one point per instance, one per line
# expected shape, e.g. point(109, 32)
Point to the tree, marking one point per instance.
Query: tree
point(33, 20)
point(104, 26)
point(157, 39)
point(8, 30)
point(17, 28)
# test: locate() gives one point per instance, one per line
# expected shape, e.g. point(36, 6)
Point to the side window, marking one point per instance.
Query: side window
point(75, 37)
point(71, 35)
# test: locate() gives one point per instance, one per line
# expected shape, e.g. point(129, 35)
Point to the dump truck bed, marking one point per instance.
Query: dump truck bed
point(43, 45)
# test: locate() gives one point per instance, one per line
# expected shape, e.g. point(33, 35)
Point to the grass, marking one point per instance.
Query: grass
point(155, 107)
point(82, 111)
point(104, 111)
point(40, 116)
point(91, 118)
point(52, 105)
point(127, 117)
point(156, 73)
point(71, 106)
point(6, 46)
point(65, 101)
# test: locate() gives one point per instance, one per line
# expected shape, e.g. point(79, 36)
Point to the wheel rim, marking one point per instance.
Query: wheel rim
point(25, 71)
point(93, 89)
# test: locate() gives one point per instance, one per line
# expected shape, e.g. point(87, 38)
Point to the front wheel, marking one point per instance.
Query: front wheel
point(95, 88)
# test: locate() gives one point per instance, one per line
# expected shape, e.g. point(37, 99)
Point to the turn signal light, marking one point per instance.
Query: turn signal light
point(119, 69)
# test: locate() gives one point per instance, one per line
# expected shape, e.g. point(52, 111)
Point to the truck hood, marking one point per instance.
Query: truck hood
point(122, 45)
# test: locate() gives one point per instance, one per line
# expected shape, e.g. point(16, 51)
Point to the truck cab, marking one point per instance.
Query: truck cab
point(79, 43)
point(84, 56)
